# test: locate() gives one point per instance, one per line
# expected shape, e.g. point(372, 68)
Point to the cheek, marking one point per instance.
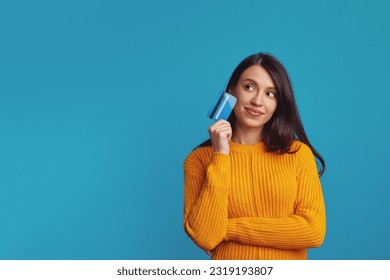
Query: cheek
point(236, 109)
point(239, 104)
point(243, 99)
point(271, 106)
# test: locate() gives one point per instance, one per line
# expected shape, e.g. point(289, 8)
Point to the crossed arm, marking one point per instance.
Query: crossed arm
point(206, 209)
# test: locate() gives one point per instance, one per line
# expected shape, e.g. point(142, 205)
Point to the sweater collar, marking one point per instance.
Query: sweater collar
point(246, 148)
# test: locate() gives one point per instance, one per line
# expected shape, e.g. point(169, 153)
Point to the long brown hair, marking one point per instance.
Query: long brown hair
point(286, 124)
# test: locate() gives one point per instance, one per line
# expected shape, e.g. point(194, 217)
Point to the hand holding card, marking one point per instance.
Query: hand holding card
point(220, 135)
point(222, 106)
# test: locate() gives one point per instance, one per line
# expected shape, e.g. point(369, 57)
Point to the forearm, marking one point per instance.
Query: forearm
point(206, 216)
point(306, 230)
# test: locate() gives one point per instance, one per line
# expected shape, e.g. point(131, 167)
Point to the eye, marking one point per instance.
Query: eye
point(271, 94)
point(249, 88)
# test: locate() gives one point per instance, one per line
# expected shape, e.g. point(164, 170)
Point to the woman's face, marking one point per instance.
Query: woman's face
point(256, 98)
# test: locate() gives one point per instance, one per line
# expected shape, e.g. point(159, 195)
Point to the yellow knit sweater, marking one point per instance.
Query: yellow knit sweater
point(253, 204)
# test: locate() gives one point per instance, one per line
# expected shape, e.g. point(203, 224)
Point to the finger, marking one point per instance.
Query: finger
point(214, 128)
point(223, 133)
point(218, 128)
point(219, 125)
point(222, 121)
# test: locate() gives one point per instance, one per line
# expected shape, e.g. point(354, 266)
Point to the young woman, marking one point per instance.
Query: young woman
point(252, 191)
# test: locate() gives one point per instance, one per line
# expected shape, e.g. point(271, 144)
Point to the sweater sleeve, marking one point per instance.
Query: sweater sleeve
point(305, 228)
point(205, 199)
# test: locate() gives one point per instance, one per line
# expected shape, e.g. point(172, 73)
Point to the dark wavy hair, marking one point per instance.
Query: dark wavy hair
point(286, 124)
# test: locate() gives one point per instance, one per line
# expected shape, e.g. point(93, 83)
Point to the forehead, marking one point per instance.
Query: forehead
point(257, 74)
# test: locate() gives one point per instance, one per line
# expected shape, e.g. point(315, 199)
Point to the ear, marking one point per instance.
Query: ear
point(231, 91)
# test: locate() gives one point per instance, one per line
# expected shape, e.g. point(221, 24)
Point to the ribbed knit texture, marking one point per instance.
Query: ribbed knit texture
point(253, 204)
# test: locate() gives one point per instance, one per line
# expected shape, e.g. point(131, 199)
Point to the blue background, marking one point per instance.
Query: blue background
point(101, 101)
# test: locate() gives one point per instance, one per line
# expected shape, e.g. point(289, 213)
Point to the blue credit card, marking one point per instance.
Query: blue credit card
point(222, 106)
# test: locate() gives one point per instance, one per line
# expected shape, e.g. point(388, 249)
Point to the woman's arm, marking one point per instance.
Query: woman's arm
point(205, 198)
point(305, 228)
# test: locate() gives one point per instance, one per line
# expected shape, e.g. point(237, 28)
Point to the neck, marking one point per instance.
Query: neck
point(247, 135)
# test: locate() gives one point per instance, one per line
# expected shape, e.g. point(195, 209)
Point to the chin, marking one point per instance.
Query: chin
point(252, 124)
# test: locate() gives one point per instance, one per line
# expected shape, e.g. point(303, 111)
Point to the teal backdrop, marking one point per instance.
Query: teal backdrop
point(101, 101)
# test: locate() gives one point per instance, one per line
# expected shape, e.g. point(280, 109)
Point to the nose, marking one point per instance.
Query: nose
point(258, 99)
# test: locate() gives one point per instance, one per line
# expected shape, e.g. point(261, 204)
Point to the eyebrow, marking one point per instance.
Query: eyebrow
point(253, 81)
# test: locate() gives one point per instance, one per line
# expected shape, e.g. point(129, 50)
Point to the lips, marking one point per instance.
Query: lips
point(254, 112)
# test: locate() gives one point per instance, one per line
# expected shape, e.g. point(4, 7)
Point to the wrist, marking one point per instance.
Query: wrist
point(222, 150)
